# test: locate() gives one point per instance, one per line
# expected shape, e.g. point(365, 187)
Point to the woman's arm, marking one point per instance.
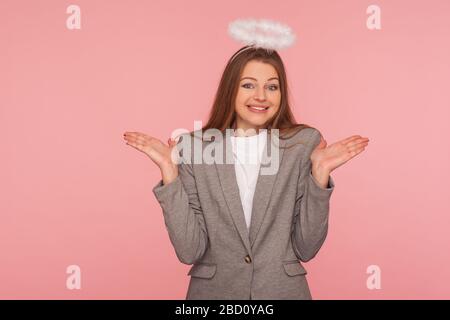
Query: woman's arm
point(177, 194)
point(310, 223)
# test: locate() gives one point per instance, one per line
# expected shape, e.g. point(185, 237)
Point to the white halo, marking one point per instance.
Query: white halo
point(254, 32)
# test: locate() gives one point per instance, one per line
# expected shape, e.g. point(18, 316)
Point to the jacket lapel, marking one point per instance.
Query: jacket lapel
point(230, 188)
point(264, 185)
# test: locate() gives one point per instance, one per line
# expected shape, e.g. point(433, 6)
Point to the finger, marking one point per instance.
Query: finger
point(355, 152)
point(146, 136)
point(357, 143)
point(323, 141)
point(138, 135)
point(171, 142)
point(131, 133)
point(176, 139)
point(138, 139)
point(135, 145)
point(356, 147)
point(349, 139)
point(131, 136)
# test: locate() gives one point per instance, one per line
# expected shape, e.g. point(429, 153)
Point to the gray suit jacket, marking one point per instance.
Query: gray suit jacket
point(205, 220)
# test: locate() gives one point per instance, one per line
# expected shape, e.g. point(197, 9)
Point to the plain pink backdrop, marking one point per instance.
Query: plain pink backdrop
point(72, 191)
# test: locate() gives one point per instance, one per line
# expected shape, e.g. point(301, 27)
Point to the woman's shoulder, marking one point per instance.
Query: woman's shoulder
point(302, 135)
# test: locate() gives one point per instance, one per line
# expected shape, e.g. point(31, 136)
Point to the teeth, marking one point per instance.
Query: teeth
point(259, 108)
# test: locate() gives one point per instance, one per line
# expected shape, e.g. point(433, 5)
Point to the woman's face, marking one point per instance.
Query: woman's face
point(259, 86)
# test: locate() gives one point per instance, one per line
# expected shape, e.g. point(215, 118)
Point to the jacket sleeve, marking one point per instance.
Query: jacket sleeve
point(183, 215)
point(310, 222)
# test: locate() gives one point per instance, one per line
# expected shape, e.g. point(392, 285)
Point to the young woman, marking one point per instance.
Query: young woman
point(245, 232)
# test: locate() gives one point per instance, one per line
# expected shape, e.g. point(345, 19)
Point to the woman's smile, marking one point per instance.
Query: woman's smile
point(258, 109)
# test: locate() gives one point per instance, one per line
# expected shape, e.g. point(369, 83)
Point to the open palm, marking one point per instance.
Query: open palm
point(159, 152)
point(335, 155)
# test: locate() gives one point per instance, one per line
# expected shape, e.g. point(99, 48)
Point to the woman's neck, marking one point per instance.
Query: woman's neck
point(246, 132)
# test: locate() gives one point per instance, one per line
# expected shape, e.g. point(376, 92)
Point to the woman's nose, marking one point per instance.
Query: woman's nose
point(260, 94)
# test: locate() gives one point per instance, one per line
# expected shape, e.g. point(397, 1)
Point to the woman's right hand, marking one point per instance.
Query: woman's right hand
point(159, 152)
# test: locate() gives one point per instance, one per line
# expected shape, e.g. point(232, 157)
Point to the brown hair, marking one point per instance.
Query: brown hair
point(222, 115)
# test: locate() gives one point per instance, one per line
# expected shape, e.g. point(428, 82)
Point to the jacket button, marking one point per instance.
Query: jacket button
point(248, 259)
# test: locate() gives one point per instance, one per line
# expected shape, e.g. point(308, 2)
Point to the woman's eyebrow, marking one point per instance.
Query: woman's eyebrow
point(274, 78)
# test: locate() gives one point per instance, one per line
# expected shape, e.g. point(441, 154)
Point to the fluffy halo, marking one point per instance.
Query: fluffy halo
point(261, 33)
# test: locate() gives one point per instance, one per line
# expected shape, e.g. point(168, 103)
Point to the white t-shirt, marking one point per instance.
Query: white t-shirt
point(247, 153)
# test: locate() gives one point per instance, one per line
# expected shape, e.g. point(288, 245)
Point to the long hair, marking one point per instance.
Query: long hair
point(223, 116)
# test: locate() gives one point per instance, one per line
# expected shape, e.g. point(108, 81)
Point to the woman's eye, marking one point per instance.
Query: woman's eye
point(273, 87)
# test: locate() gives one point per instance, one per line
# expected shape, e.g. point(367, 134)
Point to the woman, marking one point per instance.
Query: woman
point(246, 232)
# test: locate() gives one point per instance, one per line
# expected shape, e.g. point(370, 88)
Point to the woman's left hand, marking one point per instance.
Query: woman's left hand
point(328, 158)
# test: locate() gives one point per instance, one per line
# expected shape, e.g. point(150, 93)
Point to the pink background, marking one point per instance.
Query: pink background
point(72, 192)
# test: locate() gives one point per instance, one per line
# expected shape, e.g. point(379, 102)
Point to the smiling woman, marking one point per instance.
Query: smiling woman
point(243, 230)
